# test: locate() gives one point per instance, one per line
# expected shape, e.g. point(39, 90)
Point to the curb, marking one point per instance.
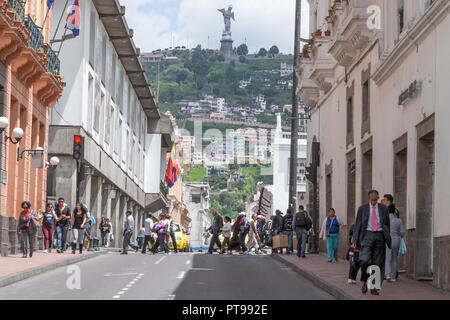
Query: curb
point(8, 280)
point(319, 282)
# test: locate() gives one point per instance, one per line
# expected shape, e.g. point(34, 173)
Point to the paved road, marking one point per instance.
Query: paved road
point(177, 276)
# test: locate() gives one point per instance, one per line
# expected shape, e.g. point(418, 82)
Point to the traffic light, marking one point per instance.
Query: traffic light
point(311, 174)
point(78, 148)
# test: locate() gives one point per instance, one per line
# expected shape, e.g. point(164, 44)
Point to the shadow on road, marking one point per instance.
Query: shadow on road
point(223, 277)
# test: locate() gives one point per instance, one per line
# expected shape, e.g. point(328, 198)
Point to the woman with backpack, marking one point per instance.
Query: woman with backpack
point(27, 227)
point(331, 229)
point(48, 227)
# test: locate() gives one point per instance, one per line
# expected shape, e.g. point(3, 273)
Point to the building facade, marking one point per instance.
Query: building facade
point(30, 85)
point(376, 86)
point(281, 147)
point(108, 101)
point(198, 204)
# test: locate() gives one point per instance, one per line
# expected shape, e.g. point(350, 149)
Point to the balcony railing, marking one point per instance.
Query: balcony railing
point(53, 65)
point(36, 37)
point(18, 8)
point(163, 189)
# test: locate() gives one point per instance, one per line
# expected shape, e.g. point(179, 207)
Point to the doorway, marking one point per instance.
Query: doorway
point(400, 185)
point(424, 206)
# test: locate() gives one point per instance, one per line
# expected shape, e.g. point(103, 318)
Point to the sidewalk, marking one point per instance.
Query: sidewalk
point(14, 268)
point(333, 278)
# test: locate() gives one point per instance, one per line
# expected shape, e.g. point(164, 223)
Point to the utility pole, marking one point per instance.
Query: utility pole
point(294, 117)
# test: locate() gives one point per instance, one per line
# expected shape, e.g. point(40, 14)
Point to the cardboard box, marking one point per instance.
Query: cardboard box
point(280, 241)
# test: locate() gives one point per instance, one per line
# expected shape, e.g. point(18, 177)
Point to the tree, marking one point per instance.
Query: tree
point(221, 58)
point(243, 59)
point(274, 51)
point(262, 53)
point(181, 75)
point(242, 50)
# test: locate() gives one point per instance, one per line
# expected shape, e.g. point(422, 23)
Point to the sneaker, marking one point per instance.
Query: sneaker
point(350, 281)
point(388, 279)
point(45, 251)
point(354, 281)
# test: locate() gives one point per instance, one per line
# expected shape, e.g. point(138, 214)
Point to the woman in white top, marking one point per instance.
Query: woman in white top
point(226, 232)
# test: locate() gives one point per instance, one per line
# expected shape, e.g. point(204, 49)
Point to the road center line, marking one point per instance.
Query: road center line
point(181, 275)
point(157, 262)
point(189, 261)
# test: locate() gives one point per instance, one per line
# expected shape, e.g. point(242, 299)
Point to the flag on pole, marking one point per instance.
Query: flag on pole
point(50, 4)
point(73, 19)
point(172, 170)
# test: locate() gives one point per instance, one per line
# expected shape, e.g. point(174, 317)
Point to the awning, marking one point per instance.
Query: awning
point(112, 15)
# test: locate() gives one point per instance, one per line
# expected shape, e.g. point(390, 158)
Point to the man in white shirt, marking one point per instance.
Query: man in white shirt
point(148, 235)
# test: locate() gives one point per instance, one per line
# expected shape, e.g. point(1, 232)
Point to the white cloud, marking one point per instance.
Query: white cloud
point(189, 22)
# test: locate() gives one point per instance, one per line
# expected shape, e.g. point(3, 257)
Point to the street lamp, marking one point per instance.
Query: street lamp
point(17, 133)
point(54, 161)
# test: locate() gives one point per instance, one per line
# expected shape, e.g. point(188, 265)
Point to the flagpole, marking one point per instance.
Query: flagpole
point(46, 15)
point(57, 28)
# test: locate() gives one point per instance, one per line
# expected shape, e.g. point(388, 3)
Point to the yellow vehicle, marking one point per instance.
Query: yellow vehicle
point(179, 237)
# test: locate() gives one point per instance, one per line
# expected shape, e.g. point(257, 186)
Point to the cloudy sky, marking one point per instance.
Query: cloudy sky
point(262, 23)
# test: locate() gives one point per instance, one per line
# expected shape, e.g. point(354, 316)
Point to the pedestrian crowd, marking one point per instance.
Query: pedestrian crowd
point(56, 222)
point(376, 238)
point(153, 235)
point(243, 236)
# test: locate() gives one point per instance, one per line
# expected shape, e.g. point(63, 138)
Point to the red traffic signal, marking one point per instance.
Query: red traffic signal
point(78, 148)
point(77, 139)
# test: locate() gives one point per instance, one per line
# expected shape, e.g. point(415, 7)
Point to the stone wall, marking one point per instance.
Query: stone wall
point(441, 257)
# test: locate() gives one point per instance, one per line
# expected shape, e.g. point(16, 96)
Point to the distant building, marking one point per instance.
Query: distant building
point(286, 69)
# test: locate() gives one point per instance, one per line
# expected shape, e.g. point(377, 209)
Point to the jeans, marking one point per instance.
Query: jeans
point(214, 239)
point(301, 241)
point(127, 241)
point(392, 258)
point(332, 245)
point(61, 232)
point(25, 237)
point(174, 241)
point(48, 236)
point(77, 236)
point(290, 244)
point(262, 239)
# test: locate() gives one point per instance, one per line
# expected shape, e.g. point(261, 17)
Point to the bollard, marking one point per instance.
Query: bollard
point(91, 244)
point(96, 244)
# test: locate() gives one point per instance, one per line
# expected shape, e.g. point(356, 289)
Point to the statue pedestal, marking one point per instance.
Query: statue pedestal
point(226, 48)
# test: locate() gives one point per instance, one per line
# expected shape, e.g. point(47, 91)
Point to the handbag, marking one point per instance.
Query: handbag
point(402, 249)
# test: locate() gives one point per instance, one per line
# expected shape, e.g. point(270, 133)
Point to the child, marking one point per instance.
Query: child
point(352, 256)
point(140, 237)
point(226, 232)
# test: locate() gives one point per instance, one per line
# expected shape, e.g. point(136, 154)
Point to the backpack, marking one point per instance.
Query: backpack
point(91, 217)
point(246, 226)
point(300, 219)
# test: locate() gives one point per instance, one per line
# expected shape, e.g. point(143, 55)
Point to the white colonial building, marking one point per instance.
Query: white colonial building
point(375, 76)
point(108, 100)
point(281, 148)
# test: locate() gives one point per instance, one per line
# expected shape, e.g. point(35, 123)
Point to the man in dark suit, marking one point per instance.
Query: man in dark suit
point(371, 235)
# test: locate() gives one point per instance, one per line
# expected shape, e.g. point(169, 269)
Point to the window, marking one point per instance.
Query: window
point(350, 115)
point(365, 107)
point(92, 40)
point(401, 16)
